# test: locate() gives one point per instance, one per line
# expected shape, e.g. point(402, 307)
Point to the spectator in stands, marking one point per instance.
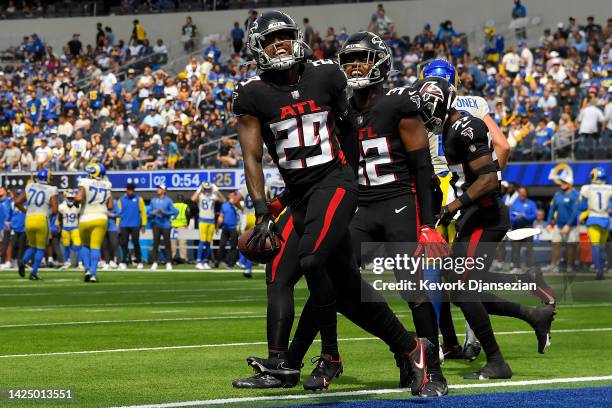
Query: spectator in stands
point(380, 23)
point(250, 19)
point(309, 33)
point(543, 135)
point(227, 222)
point(564, 137)
point(589, 121)
point(523, 213)
point(519, 11)
point(189, 32)
point(11, 157)
point(446, 32)
point(213, 50)
point(138, 32)
point(75, 45)
point(237, 36)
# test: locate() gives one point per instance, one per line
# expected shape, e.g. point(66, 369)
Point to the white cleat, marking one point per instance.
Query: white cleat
point(81, 266)
point(105, 267)
point(122, 266)
point(206, 266)
point(154, 266)
point(168, 266)
point(113, 264)
point(64, 267)
point(139, 266)
point(199, 266)
point(5, 265)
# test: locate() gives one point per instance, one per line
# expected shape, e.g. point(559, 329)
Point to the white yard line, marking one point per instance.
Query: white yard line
point(257, 343)
point(500, 384)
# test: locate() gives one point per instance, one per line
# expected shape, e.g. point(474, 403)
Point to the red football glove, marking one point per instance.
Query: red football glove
point(276, 207)
point(432, 243)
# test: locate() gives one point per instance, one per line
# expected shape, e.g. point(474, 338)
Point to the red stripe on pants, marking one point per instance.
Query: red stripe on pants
point(329, 214)
point(472, 246)
point(285, 234)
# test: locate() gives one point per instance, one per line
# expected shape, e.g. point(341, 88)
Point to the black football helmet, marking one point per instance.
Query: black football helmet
point(438, 98)
point(267, 23)
point(377, 55)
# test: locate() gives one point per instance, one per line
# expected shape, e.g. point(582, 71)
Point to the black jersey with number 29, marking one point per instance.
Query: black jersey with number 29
point(384, 171)
point(297, 121)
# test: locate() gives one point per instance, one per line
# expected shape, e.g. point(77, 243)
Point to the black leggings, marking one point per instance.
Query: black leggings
point(18, 243)
point(158, 233)
point(110, 247)
point(124, 239)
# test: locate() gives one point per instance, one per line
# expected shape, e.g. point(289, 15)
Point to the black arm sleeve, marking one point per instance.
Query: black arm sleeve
point(420, 162)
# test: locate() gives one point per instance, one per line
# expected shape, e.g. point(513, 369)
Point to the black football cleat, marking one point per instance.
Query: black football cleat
point(34, 277)
point(87, 277)
point(258, 381)
point(452, 352)
point(277, 367)
point(471, 350)
point(417, 359)
point(491, 371)
point(436, 385)
point(324, 372)
point(541, 318)
point(21, 269)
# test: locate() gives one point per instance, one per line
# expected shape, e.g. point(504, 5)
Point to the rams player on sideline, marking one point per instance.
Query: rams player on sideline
point(206, 196)
point(96, 200)
point(69, 212)
point(477, 107)
point(41, 197)
point(596, 199)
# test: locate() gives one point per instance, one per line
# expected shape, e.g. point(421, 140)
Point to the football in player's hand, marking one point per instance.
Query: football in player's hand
point(254, 250)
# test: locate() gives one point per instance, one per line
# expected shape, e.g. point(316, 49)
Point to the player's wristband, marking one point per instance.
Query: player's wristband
point(465, 200)
point(261, 208)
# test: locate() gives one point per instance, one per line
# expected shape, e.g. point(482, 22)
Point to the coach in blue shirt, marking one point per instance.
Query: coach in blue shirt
point(228, 223)
point(564, 209)
point(132, 221)
point(161, 211)
point(523, 213)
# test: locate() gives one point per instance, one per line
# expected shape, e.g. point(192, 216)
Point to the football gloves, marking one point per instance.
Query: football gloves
point(432, 243)
point(264, 230)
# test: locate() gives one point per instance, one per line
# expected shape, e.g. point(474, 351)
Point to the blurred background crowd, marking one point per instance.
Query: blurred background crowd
point(117, 102)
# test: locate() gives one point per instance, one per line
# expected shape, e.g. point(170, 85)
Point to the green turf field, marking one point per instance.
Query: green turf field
point(139, 337)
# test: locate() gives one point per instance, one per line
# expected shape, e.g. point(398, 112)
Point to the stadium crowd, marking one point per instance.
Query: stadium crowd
point(112, 103)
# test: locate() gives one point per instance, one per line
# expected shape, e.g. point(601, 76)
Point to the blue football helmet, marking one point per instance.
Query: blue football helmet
point(43, 176)
point(440, 68)
point(70, 194)
point(95, 170)
point(598, 175)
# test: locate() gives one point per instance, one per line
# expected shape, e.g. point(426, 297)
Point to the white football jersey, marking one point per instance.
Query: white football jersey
point(598, 199)
point(474, 105)
point(38, 198)
point(70, 215)
point(276, 186)
point(249, 207)
point(97, 193)
point(206, 204)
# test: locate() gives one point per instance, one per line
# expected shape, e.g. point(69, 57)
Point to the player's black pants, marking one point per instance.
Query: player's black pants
point(110, 247)
point(284, 272)
point(321, 222)
point(18, 243)
point(229, 257)
point(395, 220)
point(478, 231)
point(56, 247)
point(124, 238)
point(158, 234)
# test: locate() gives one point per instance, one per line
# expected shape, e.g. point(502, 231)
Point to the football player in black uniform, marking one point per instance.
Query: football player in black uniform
point(298, 124)
point(483, 219)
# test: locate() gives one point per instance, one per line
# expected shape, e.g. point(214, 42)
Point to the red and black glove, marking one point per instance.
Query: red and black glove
point(432, 243)
point(276, 207)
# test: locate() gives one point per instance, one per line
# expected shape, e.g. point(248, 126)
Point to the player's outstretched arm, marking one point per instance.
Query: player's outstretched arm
point(414, 137)
point(249, 136)
point(485, 183)
point(499, 141)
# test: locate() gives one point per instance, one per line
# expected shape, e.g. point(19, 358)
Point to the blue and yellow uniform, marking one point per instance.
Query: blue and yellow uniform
point(70, 225)
point(39, 197)
point(207, 195)
point(596, 200)
point(93, 223)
